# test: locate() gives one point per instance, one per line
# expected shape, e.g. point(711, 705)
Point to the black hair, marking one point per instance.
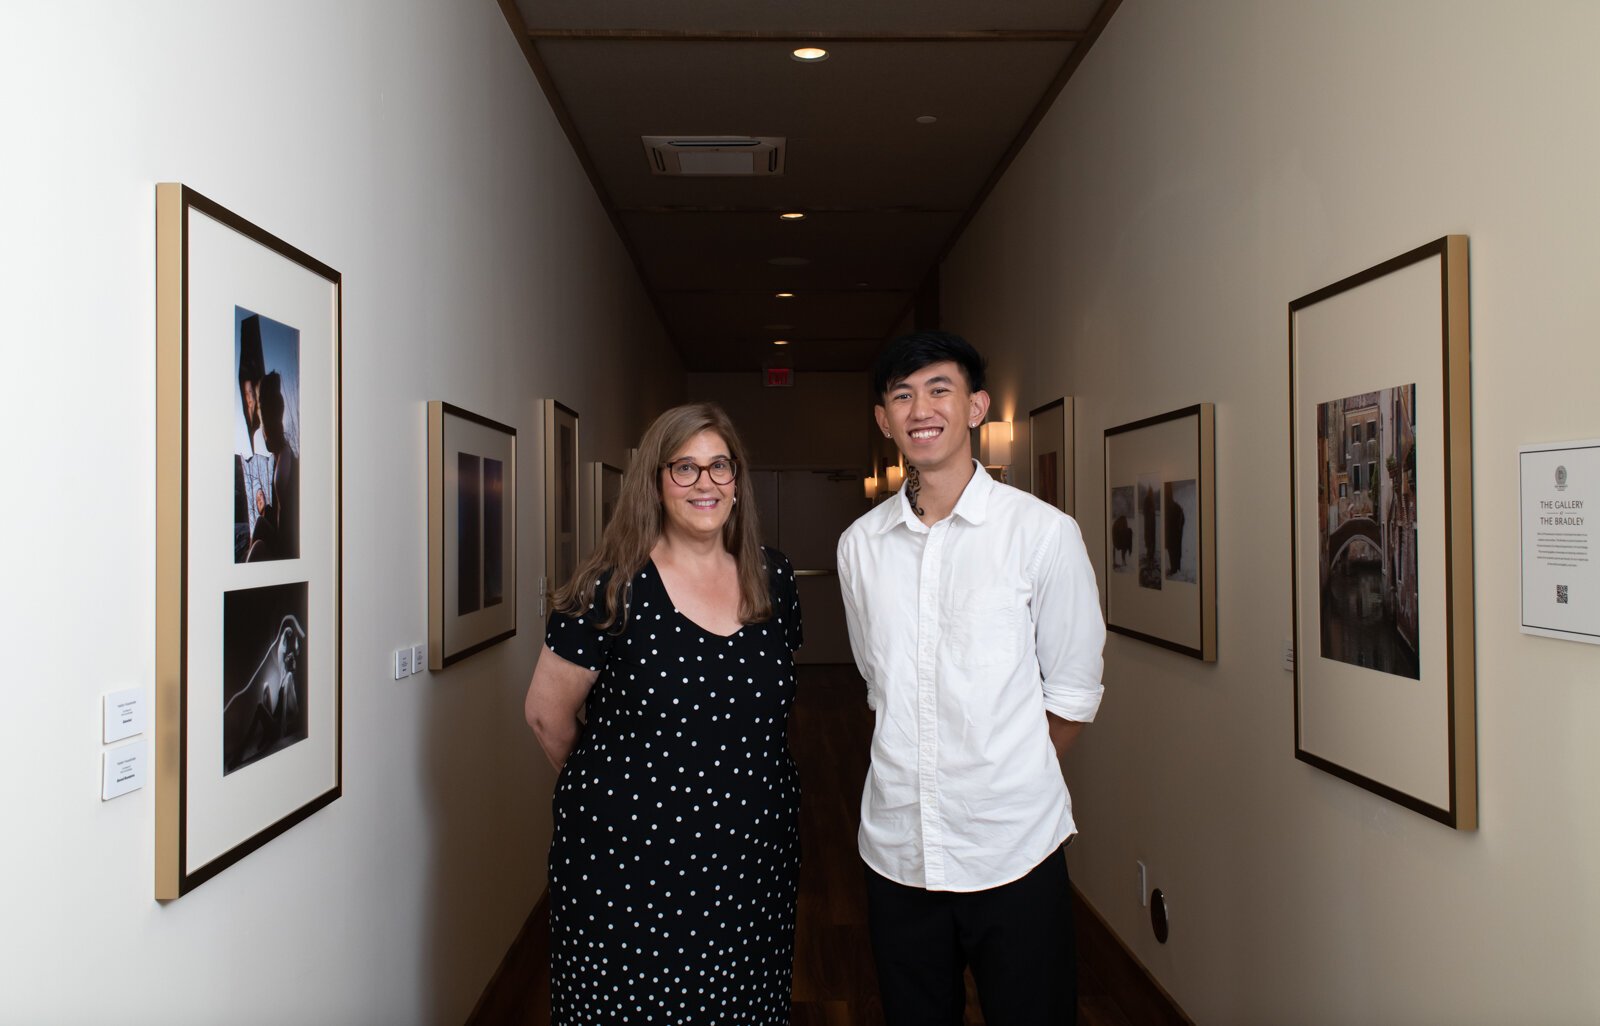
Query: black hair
point(910, 353)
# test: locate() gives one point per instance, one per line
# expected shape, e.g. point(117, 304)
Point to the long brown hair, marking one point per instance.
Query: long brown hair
point(636, 525)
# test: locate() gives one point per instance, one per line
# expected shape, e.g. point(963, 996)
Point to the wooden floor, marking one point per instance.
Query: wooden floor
point(834, 980)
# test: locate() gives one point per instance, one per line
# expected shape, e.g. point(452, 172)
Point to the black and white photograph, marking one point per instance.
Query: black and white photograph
point(264, 672)
point(1180, 530)
point(1124, 518)
point(1150, 534)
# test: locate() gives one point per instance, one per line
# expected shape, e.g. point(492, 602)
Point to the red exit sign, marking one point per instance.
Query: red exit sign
point(780, 377)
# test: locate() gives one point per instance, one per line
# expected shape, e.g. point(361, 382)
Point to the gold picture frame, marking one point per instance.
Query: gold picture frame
point(1381, 488)
point(562, 527)
point(472, 533)
point(248, 538)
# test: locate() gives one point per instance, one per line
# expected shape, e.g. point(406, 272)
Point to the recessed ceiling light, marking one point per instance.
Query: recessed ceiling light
point(783, 295)
point(810, 54)
point(926, 119)
point(780, 341)
point(793, 215)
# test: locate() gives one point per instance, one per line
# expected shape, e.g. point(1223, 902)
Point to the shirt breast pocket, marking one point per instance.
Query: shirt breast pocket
point(985, 629)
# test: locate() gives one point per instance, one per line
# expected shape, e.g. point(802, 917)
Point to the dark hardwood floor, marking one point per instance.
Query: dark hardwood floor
point(834, 980)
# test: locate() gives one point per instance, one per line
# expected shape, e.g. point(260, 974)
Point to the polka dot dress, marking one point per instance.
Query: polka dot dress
point(676, 853)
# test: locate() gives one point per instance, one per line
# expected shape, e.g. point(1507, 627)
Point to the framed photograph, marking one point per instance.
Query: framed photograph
point(605, 487)
point(561, 525)
point(1381, 475)
point(1161, 537)
point(248, 633)
point(1050, 454)
point(472, 533)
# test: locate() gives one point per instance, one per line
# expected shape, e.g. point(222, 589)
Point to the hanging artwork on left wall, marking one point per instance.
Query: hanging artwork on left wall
point(472, 533)
point(248, 634)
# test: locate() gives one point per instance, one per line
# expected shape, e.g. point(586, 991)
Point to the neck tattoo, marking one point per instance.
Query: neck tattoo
point(913, 486)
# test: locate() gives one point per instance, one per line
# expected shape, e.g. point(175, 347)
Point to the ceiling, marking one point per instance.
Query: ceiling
point(885, 196)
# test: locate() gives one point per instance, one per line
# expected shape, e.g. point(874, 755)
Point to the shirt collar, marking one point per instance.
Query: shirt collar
point(972, 506)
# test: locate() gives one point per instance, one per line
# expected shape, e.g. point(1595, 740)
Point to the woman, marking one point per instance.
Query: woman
point(675, 858)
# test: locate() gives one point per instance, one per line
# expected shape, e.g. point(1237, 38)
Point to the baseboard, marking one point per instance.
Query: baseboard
point(523, 974)
point(1128, 982)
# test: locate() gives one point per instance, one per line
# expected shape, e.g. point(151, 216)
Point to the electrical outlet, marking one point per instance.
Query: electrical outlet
point(402, 662)
point(418, 663)
point(1144, 884)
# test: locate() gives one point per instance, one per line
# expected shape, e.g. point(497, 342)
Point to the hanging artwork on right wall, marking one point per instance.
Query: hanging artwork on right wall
point(1050, 467)
point(1381, 473)
point(1161, 534)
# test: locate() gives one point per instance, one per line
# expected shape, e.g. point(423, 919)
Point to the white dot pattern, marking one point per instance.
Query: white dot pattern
point(676, 854)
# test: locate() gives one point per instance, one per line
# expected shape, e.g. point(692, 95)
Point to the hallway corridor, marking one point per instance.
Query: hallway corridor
point(834, 980)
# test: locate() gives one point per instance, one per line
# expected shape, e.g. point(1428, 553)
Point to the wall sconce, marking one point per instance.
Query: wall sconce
point(895, 476)
point(870, 486)
point(994, 445)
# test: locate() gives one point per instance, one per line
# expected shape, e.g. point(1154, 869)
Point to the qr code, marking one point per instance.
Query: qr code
point(1561, 594)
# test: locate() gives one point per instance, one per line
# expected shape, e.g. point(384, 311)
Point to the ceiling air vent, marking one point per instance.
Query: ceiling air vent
point(714, 155)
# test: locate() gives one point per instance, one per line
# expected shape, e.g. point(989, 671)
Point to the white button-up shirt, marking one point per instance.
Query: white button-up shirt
point(967, 633)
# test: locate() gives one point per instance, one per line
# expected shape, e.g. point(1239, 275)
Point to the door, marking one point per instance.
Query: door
point(803, 513)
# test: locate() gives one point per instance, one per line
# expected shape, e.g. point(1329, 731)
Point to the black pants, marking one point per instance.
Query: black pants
point(1016, 937)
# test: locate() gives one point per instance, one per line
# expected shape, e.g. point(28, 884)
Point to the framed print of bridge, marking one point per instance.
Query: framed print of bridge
point(1381, 498)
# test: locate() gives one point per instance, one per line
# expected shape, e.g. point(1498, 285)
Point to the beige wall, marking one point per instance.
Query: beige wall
point(1207, 164)
point(407, 145)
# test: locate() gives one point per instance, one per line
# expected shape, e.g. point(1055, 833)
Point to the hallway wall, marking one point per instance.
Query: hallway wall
point(407, 144)
point(1207, 164)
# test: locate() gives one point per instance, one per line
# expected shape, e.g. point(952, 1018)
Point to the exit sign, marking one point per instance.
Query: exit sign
point(780, 377)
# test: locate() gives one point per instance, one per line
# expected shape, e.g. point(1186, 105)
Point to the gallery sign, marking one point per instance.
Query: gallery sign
point(1560, 485)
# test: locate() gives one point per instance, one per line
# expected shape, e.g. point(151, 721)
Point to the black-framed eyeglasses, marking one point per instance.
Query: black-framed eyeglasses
point(686, 473)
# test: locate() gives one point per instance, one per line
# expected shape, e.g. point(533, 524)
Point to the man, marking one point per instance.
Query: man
point(975, 619)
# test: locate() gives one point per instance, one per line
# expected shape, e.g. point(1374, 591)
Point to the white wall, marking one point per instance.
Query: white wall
point(406, 144)
point(1207, 164)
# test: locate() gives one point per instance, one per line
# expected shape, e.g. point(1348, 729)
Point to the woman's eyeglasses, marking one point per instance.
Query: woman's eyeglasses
point(686, 473)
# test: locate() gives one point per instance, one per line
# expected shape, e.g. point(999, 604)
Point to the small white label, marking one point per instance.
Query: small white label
point(122, 769)
point(122, 715)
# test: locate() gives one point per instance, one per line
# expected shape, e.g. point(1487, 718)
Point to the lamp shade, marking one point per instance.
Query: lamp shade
point(994, 443)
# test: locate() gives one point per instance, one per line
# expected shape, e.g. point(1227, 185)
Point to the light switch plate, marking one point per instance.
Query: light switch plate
point(418, 658)
point(402, 662)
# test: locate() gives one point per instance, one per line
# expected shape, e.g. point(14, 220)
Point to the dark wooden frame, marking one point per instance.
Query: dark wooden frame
point(1204, 456)
point(1452, 524)
point(1067, 500)
point(443, 648)
point(558, 491)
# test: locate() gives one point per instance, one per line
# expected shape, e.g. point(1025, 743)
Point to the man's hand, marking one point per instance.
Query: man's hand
point(1062, 732)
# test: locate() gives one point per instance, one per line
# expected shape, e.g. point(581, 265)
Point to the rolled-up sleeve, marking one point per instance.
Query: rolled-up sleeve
point(1070, 633)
